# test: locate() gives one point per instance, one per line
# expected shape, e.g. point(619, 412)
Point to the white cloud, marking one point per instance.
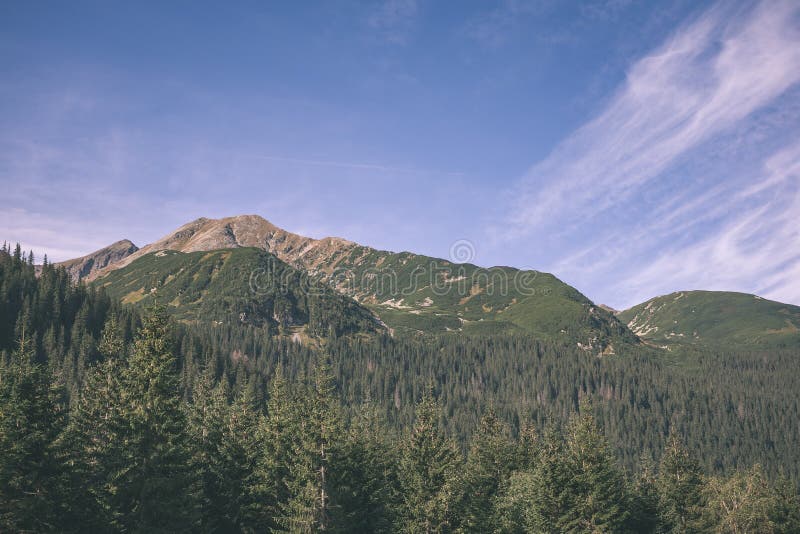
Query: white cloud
point(759, 247)
point(688, 178)
point(706, 78)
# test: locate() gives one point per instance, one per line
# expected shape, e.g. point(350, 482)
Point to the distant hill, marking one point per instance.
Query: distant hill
point(238, 286)
point(715, 319)
point(410, 293)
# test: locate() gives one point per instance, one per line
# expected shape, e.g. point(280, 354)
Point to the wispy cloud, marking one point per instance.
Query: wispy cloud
point(756, 249)
point(649, 177)
point(710, 75)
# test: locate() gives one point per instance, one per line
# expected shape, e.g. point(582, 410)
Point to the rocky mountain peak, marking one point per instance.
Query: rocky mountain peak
point(205, 234)
point(86, 266)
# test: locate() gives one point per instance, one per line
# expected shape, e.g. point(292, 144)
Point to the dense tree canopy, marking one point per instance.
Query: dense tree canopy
point(112, 421)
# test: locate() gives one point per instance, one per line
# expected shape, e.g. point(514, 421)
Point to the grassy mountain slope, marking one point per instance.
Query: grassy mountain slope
point(715, 318)
point(243, 285)
point(409, 292)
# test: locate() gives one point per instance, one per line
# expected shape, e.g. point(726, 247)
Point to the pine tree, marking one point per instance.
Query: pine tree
point(156, 489)
point(277, 432)
point(490, 461)
point(427, 474)
point(30, 420)
point(643, 504)
point(747, 502)
point(680, 490)
point(313, 457)
point(597, 498)
point(92, 445)
point(513, 510)
point(366, 478)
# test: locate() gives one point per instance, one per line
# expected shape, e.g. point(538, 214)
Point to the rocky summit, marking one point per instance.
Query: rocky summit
point(87, 267)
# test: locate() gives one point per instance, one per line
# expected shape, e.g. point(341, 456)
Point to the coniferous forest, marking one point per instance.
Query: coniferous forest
point(116, 420)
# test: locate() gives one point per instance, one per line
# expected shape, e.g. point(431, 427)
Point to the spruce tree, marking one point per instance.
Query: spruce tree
point(490, 461)
point(577, 486)
point(206, 419)
point(156, 489)
point(277, 433)
point(93, 445)
point(598, 502)
point(366, 478)
point(680, 490)
point(551, 480)
point(513, 510)
point(529, 448)
point(30, 420)
point(313, 457)
point(235, 464)
point(112, 339)
point(643, 501)
point(428, 469)
point(226, 443)
point(747, 502)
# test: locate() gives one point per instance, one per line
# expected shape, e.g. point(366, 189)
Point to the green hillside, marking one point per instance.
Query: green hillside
point(414, 293)
point(243, 285)
point(715, 319)
point(410, 293)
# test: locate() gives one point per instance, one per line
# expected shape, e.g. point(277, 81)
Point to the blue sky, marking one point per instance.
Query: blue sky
point(631, 148)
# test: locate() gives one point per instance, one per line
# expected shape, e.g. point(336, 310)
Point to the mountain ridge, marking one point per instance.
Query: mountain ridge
point(411, 293)
point(414, 293)
point(204, 234)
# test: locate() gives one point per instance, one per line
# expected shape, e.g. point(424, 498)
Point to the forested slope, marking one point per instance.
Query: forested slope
point(244, 286)
point(245, 430)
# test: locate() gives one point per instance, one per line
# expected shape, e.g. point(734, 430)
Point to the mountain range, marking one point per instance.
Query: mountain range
point(246, 269)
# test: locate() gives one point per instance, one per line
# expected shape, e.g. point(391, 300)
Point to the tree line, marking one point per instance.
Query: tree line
point(114, 421)
point(133, 455)
point(732, 409)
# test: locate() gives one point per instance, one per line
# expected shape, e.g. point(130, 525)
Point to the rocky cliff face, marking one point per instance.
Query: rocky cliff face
point(85, 267)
